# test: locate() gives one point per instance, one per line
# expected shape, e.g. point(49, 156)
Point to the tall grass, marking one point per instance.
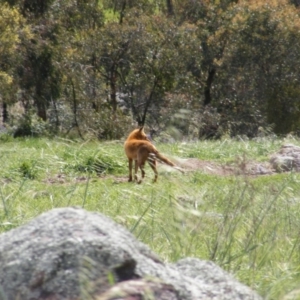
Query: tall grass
point(247, 225)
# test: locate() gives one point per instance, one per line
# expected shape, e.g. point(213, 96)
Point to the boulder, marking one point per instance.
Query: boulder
point(70, 253)
point(286, 159)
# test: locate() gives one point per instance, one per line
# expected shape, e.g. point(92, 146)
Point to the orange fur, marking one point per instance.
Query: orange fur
point(139, 149)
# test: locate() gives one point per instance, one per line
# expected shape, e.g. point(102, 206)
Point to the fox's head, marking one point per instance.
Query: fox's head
point(138, 134)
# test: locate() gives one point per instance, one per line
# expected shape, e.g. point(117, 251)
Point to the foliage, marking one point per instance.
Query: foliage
point(100, 164)
point(133, 60)
point(30, 125)
point(252, 89)
point(284, 107)
point(104, 125)
point(27, 170)
point(12, 29)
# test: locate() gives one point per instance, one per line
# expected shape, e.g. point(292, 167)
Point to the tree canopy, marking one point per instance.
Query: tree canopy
point(205, 68)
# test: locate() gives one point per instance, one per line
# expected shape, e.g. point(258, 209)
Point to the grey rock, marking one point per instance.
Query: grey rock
point(70, 253)
point(282, 163)
point(286, 159)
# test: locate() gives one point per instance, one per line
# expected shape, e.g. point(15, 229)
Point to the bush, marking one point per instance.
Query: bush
point(30, 125)
point(99, 164)
point(27, 170)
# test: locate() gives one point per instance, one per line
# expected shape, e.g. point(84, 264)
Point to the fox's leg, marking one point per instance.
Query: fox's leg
point(136, 167)
point(152, 163)
point(130, 169)
point(142, 156)
point(142, 165)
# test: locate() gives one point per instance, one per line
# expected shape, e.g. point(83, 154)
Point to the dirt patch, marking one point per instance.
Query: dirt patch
point(239, 167)
point(285, 160)
point(5, 180)
point(59, 178)
point(62, 179)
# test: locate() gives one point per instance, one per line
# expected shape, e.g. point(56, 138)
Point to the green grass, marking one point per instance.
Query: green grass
point(247, 225)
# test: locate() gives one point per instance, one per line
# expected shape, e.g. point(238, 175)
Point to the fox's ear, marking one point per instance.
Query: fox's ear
point(141, 128)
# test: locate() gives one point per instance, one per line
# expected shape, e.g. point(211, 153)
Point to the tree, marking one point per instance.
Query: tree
point(76, 25)
point(261, 55)
point(131, 8)
point(13, 29)
point(93, 65)
point(153, 63)
point(246, 49)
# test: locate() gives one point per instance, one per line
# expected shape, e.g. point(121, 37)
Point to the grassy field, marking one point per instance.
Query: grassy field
point(249, 225)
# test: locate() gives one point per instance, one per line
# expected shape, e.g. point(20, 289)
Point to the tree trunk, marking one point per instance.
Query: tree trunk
point(148, 102)
point(40, 101)
point(75, 109)
point(41, 110)
point(4, 113)
point(170, 8)
point(296, 2)
point(122, 12)
point(57, 123)
point(209, 81)
point(113, 89)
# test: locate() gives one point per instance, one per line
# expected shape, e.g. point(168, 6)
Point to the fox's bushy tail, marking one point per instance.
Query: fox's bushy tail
point(163, 159)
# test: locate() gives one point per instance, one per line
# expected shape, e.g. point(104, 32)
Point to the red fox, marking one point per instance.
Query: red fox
point(139, 149)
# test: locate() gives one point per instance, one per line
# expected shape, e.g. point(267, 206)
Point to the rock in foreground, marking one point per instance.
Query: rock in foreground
point(70, 253)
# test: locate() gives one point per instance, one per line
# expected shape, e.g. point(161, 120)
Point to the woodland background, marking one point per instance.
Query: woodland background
point(193, 69)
